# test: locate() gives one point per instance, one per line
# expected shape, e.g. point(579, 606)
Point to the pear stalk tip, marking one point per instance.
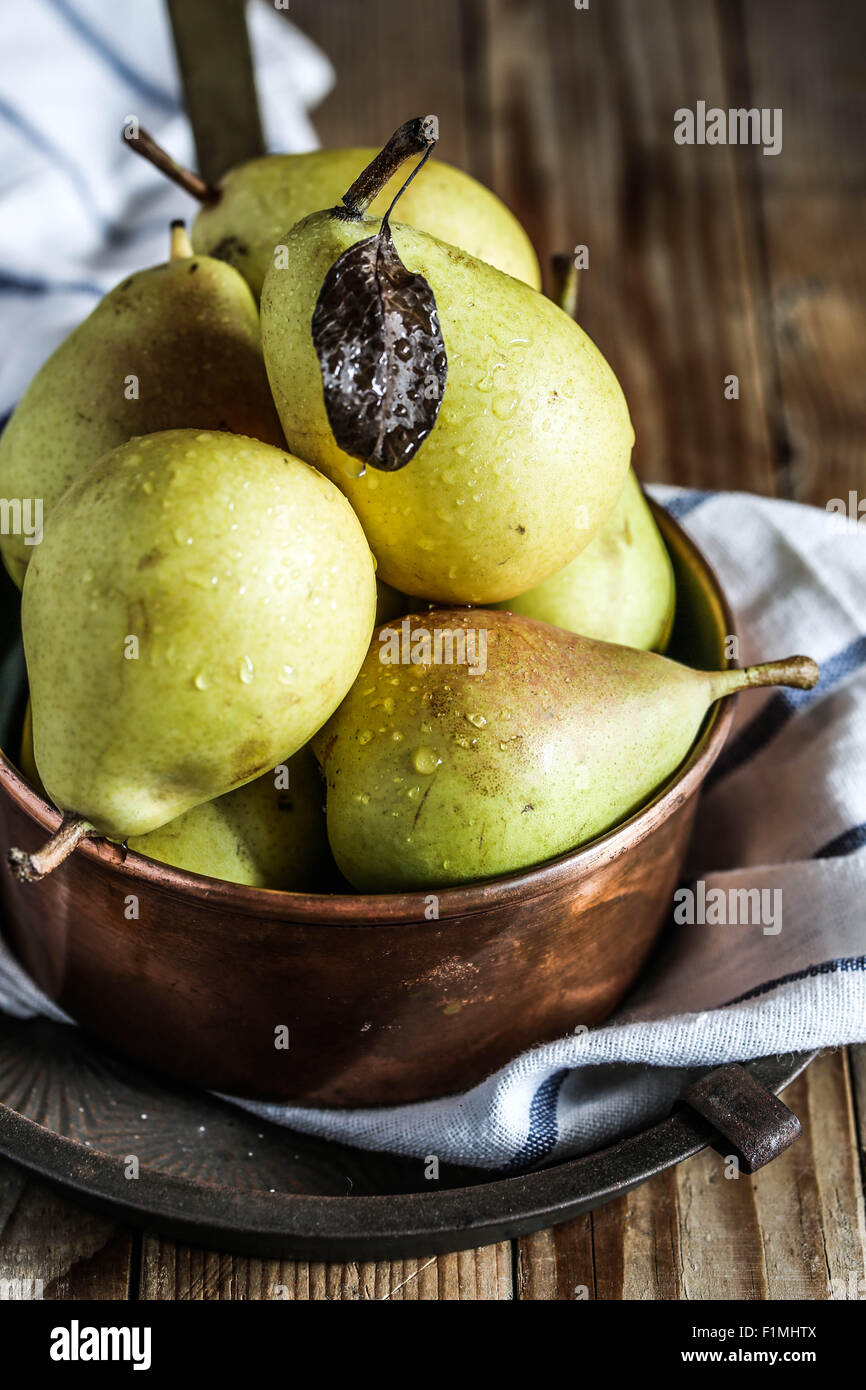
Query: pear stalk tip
point(30, 868)
point(181, 246)
point(417, 136)
point(799, 672)
point(144, 144)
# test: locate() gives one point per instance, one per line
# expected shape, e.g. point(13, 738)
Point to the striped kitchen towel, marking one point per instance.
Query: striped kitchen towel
point(782, 817)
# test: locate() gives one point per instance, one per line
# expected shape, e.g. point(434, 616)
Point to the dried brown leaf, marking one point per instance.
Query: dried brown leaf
point(379, 342)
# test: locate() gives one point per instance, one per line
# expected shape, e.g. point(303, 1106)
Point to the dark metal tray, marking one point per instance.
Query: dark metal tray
point(211, 1174)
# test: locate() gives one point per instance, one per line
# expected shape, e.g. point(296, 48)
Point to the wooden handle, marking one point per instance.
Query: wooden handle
point(216, 69)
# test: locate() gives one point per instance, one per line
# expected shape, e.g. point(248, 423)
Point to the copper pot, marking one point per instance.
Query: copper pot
point(381, 1003)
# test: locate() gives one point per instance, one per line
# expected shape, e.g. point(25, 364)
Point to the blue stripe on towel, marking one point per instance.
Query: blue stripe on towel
point(686, 502)
point(31, 284)
point(543, 1129)
point(158, 95)
point(844, 965)
point(783, 706)
point(846, 843)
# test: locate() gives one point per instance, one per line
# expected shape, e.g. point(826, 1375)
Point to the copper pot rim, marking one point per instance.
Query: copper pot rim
point(370, 909)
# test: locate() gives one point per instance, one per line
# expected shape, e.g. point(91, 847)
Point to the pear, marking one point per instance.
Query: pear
point(258, 834)
point(261, 834)
point(199, 605)
point(531, 446)
point(246, 214)
point(619, 589)
point(176, 345)
point(529, 741)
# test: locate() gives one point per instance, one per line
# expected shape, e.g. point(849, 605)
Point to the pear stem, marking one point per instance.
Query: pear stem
point(181, 246)
point(565, 287)
point(801, 672)
point(30, 868)
point(417, 136)
point(144, 144)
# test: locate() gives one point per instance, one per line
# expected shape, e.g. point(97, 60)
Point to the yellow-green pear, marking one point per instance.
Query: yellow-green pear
point(619, 589)
point(531, 446)
point(259, 834)
point(244, 216)
point(270, 833)
point(199, 605)
point(177, 345)
point(478, 743)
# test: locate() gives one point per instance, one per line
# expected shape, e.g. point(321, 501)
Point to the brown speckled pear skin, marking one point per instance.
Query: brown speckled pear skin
point(177, 345)
point(439, 775)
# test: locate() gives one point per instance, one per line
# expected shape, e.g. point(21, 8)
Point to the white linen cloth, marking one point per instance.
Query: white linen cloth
point(783, 811)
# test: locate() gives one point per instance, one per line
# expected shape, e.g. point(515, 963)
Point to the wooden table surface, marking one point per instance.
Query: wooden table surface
point(704, 261)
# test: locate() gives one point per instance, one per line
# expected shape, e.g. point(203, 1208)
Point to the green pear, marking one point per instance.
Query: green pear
point(619, 589)
point(176, 345)
point(198, 607)
point(261, 834)
point(244, 216)
point(527, 742)
point(531, 446)
point(257, 834)
point(260, 199)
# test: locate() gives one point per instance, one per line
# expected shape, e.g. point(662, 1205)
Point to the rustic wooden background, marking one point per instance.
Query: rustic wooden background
point(703, 262)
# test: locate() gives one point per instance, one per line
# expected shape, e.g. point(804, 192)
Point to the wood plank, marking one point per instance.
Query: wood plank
point(172, 1271)
point(857, 1064)
point(793, 1230)
point(213, 53)
point(627, 1249)
point(525, 160)
point(787, 1205)
point(840, 1242)
point(721, 1240)
point(812, 206)
point(638, 1250)
point(808, 60)
point(819, 317)
point(857, 1069)
point(53, 1248)
point(392, 61)
point(557, 1263)
point(582, 113)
